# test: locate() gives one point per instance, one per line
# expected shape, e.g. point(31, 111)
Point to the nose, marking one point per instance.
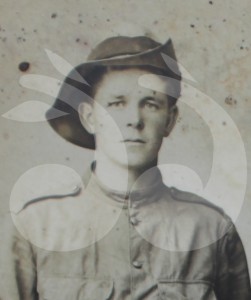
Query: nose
point(134, 118)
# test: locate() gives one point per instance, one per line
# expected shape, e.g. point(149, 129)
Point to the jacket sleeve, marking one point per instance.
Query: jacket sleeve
point(232, 282)
point(17, 267)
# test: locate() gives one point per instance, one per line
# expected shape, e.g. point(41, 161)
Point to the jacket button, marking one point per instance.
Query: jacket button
point(134, 221)
point(137, 264)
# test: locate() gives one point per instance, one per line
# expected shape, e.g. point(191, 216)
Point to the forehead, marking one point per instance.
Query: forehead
point(128, 80)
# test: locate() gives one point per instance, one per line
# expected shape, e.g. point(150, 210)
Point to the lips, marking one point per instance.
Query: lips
point(136, 141)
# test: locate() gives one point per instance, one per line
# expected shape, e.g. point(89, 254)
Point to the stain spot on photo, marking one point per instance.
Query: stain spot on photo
point(19, 39)
point(184, 128)
point(230, 100)
point(179, 120)
point(6, 136)
point(54, 15)
point(24, 66)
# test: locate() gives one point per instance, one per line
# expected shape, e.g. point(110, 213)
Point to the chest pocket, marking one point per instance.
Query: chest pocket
point(74, 289)
point(185, 291)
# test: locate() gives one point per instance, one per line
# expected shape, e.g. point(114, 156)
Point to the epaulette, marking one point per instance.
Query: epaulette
point(18, 205)
point(193, 198)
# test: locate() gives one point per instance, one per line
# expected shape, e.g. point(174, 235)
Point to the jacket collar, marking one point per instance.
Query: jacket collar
point(140, 195)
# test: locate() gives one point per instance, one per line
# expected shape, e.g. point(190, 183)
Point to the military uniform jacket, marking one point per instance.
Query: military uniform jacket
point(93, 243)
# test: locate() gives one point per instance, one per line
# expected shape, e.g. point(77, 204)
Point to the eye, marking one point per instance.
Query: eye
point(151, 105)
point(116, 104)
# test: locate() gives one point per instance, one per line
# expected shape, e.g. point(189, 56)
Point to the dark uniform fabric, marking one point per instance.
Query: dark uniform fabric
point(94, 243)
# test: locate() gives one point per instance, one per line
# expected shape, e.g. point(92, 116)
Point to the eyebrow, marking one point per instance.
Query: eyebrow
point(155, 99)
point(119, 97)
point(146, 98)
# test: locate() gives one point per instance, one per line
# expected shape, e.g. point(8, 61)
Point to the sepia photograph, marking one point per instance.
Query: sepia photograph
point(125, 149)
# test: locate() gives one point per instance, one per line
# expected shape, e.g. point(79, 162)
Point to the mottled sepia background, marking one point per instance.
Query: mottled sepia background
point(212, 43)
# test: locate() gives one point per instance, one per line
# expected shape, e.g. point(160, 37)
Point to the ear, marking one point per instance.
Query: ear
point(171, 120)
point(85, 111)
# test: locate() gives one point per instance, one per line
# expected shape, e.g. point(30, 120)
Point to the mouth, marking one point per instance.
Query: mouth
point(134, 141)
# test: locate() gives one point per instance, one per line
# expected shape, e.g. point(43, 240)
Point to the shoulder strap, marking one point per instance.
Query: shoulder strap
point(193, 198)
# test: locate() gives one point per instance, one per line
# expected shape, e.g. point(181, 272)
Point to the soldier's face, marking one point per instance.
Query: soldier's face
point(128, 121)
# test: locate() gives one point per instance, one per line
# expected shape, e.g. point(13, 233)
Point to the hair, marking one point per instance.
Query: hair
point(96, 75)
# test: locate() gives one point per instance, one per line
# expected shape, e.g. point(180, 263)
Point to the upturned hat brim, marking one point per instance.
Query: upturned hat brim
point(72, 91)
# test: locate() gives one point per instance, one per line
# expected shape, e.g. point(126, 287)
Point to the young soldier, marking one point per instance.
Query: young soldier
point(124, 235)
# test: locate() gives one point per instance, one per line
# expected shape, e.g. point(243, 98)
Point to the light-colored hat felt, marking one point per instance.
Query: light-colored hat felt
point(117, 51)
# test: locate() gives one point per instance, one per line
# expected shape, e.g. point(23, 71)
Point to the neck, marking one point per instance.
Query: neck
point(121, 177)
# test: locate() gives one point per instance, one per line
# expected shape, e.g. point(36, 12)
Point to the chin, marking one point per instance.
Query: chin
point(139, 163)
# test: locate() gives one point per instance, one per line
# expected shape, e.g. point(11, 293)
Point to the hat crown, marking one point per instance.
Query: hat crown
point(122, 45)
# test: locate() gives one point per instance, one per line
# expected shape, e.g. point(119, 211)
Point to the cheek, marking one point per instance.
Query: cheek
point(107, 128)
point(157, 126)
point(102, 120)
